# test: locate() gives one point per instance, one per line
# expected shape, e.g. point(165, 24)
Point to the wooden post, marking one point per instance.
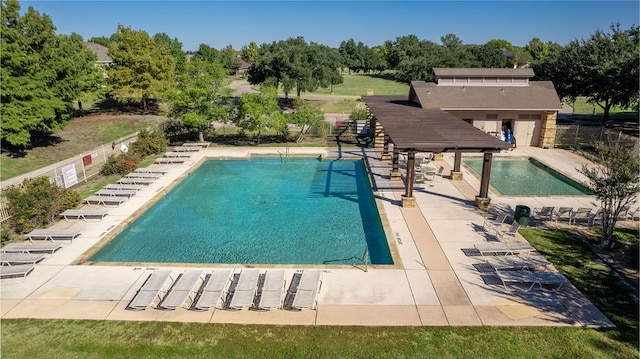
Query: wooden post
point(411, 169)
point(456, 174)
point(486, 174)
point(385, 150)
point(395, 172)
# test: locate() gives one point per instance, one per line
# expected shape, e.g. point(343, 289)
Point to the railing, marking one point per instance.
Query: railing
point(365, 258)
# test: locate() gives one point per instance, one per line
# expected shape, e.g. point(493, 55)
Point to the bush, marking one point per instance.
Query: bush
point(148, 143)
point(36, 203)
point(120, 164)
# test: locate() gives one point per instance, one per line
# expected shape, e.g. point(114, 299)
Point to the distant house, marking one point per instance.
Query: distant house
point(102, 52)
point(243, 68)
point(495, 100)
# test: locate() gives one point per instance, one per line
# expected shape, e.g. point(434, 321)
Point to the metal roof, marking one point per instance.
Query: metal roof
point(412, 128)
point(479, 71)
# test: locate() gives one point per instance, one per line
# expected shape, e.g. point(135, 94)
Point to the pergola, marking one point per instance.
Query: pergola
point(413, 129)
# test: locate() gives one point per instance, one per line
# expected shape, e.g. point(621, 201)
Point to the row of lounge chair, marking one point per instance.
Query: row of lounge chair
point(180, 154)
point(581, 214)
point(223, 290)
point(19, 259)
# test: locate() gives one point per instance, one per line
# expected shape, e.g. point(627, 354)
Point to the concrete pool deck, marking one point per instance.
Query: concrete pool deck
point(437, 282)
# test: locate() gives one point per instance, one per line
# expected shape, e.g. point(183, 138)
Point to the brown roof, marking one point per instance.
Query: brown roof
point(101, 51)
point(411, 127)
point(479, 71)
point(538, 96)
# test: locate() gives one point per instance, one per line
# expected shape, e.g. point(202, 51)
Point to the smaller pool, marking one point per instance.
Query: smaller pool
point(526, 177)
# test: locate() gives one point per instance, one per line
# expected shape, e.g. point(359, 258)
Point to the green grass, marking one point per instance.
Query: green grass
point(114, 339)
point(366, 84)
point(79, 135)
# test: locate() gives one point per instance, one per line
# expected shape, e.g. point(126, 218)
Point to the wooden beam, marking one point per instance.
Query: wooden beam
point(486, 174)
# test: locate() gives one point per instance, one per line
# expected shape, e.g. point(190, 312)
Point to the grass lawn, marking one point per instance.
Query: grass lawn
point(79, 135)
point(366, 84)
point(112, 339)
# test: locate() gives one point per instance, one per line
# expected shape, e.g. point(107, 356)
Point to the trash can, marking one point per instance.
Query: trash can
point(522, 215)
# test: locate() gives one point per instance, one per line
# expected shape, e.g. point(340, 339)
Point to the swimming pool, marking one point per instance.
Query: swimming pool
point(259, 211)
point(526, 177)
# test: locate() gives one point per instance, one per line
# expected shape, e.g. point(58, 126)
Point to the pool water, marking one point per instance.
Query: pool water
point(526, 177)
point(259, 211)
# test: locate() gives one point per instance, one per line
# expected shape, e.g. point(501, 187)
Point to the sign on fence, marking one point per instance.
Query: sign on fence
point(69, 175)
point(86, 160)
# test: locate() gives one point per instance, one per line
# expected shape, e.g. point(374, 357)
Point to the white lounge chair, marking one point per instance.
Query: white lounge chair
point(307, 290)
point(167, 160)
point(582, 214)
point(544, 213)
point(212, 289)
point(180, 290)
point(116, 193)
point(123, 187)
point(177, 155)
point(84, 214)
point(17, 271)
point(136, 181)
point(44, 247)
point(150, 290)
point(532, 278)
point(494, 224)
point(105, 200)
point(564, 213)
point(161, 170)
point(500, 248)
point(196, 144)
point(509, 234)
point(52, 234)
point(596, 218)
point(143, 175)
point(20, 258)
point(517, 262)
point(245, 289)
point(186, 149)
point(272, 290)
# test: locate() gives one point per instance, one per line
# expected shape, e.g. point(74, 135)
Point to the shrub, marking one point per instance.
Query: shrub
point(149, 143)
point(36, 202)
point(120, 164)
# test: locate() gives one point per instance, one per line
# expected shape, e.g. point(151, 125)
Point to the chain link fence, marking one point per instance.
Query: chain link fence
point(584, 137)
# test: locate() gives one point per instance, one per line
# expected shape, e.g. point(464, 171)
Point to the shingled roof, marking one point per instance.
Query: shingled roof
point(412, 128)
point(538, 96)
point(101, 51)
point(483, 71)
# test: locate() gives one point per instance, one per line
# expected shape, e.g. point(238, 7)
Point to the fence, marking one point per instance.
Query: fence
point(580, 136)
point(71, 171)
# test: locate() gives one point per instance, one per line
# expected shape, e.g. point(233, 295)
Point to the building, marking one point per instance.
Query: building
point(102, 52)
point(503, 102)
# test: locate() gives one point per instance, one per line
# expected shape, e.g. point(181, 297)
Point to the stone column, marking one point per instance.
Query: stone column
point(456, 174)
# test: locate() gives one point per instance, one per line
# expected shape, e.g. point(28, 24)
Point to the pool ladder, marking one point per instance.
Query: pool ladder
point(365, 258)
point(284, 156)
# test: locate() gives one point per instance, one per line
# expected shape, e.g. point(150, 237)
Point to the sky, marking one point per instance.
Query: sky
point(237, 23)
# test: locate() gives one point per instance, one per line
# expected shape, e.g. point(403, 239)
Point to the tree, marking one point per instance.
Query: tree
point(175, 49)
point(259, 111)
point(307, 116)
point(249, 53)
point(615, 180)
point(603, 67)
point(142, 69)
point(42, 74)
point(201, 96)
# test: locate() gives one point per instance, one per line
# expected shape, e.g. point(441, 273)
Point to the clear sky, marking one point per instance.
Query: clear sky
point(237, 23)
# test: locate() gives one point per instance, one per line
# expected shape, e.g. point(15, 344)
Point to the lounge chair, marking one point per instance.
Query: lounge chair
point(500, 248)
point(564, 213)
point(177, 155)
point(123, 187)
point(307, 290)
point(84, 214)
point(544, 213)
point(180, 290)
point(245, 289)
point(494, 224)
point(52, 234)
point(17, 271)
point(20, 258)
point(186, 149)
point(517, 262)
point(582, 214)
point(625, 213)
point(44, 247)
point(136, 181)
point(196, 144)
point(161, 170)
point(440, 174)
point(150, 290)
point(116, 193)
point(166, 160)
point(105, 200)
point(143, 175)
point(509, 234)
point(596, 218)
point(210, 293)
point(532, 278)
point(272, 290)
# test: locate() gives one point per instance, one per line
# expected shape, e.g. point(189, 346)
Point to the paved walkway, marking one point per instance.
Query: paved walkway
point(435, 279)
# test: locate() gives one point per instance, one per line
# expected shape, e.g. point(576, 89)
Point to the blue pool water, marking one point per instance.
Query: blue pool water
point(526, 177)
point(259, 211)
